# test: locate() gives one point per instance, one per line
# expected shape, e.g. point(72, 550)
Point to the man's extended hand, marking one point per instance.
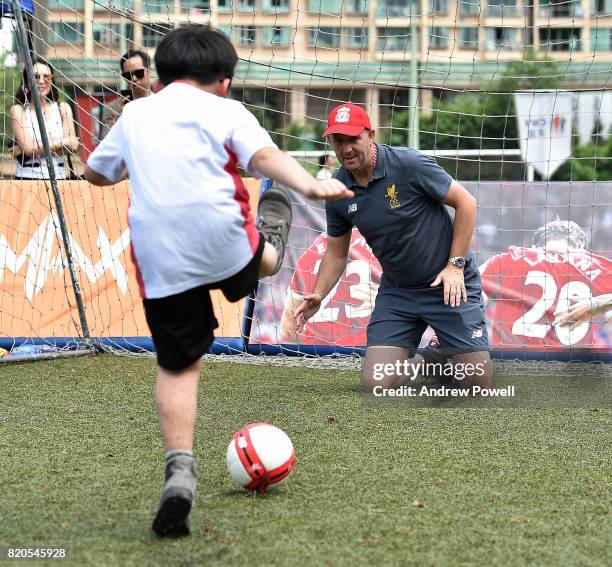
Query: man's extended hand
point(306, 310)
point(454, 285)
point(329, 189)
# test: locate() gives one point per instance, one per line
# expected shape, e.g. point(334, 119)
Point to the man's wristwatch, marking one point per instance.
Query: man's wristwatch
point(457, 261)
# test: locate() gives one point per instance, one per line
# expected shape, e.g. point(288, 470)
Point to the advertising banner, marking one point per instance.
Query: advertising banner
point(524, 280)
point(35, 288)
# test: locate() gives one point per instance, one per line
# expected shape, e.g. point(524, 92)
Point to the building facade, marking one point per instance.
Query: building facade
point(298, 56)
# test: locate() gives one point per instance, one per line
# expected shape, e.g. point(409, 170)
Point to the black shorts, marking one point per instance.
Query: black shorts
point(182, 325)
point(401, 316)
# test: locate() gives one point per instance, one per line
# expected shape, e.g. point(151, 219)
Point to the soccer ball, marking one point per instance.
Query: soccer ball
point(259, 456)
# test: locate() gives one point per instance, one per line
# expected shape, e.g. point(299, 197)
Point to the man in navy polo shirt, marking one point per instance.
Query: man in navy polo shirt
point(429, 275)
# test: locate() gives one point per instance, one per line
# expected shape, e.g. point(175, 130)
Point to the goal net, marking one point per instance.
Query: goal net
point(510, 97)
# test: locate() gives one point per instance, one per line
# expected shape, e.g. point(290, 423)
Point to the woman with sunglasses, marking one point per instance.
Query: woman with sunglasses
point(59, 124)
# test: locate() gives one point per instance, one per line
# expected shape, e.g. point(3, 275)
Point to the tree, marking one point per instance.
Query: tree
point(297, 137)
point(481, 119)
point(9, 79)
point(591, 162)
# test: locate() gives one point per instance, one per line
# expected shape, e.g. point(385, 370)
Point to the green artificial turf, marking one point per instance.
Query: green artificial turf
point(82, 466)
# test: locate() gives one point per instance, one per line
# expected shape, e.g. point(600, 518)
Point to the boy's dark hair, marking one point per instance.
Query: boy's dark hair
point(322, 159)
point(23, 93)
point(146, 60)
point(195, 52)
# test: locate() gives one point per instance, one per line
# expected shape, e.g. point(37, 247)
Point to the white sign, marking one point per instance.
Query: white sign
point(545, 129)
point(588, 104)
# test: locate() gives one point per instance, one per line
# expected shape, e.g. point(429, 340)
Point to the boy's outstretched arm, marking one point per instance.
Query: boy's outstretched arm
point(96, 178)
point(284, 169)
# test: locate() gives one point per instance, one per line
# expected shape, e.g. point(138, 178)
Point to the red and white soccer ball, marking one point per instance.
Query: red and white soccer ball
point(259, 456)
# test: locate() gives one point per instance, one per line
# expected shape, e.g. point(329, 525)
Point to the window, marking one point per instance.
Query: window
point(325, 37)
point(356, 6)
point(225, 5)
point(502, 8)
point(601, 7)
point(153, 33)
point(194, 7)
point(62, 32)
point(246, 5)
point(156, 6)
point(438, 38)
point(111, 34)
point(227, 30)
point(560, 9)
point(355, 38)
point(501, 38)
point(247, 35)
point(110, 4)
point(275, 36)
point(560, 39)
point(396, 8)
point(325, 6)
point(468, 7)
point(468, 38)
point(275, 5)
point(437, 7)
point(393, 39)
point(601, 39)
point(65, 4)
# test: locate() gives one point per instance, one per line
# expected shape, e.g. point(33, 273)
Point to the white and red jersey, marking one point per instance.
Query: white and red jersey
point(189, 216)
point(529, 284)
point(344, 314)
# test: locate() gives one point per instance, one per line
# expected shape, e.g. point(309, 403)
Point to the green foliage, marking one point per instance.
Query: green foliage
point(297, 137)
point(9, 81)
point(591, 162)
point(469, 121)
point(487, 119)
point(529, 73)
point(483, 119)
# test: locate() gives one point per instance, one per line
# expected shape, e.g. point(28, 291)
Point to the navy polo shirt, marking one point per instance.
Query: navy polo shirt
point(401, 216)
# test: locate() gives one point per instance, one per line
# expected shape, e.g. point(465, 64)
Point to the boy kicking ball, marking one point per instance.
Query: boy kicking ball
point(191, 226)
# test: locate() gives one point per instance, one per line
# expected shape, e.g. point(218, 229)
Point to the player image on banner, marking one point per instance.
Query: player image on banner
point(344, 314)
point(529, 284)
point(531, 268)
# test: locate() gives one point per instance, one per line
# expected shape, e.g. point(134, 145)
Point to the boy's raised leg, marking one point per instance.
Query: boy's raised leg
point(274, 221)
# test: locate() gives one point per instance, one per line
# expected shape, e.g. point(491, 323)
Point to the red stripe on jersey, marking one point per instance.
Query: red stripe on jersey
point(241, 196)
point(139, 280)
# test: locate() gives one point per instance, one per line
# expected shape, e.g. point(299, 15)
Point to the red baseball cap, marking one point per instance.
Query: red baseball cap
point(348, 119)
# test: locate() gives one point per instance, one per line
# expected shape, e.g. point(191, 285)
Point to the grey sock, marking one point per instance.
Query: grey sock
point(176, 452)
